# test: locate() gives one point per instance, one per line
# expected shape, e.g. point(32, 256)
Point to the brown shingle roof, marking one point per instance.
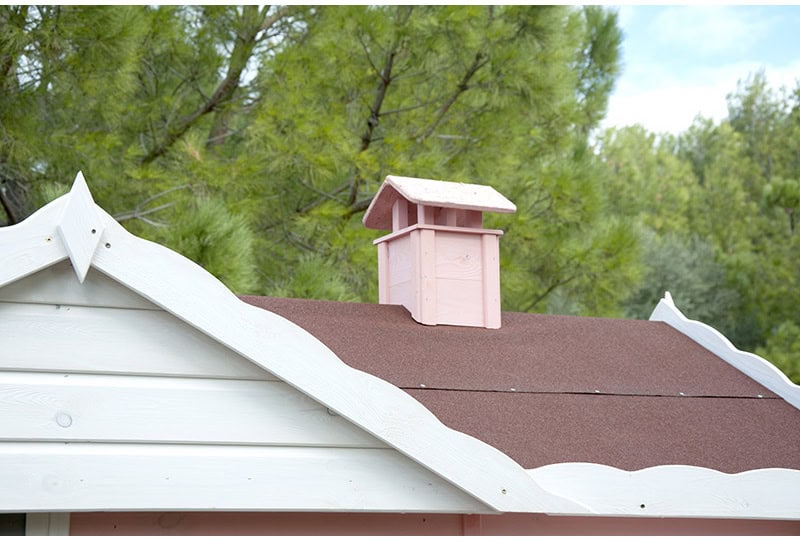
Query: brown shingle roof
point(546, 389)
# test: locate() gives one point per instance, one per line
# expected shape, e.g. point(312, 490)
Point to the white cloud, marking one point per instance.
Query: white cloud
point(682, 61)
point(709, 29)
point(672, 105)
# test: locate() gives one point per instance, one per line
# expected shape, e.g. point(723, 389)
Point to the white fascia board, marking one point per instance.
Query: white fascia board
point(675, 491)
point(284, 349)
point(755, 367)
point(31, 245)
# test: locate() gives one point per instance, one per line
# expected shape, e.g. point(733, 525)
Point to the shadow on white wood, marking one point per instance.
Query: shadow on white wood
point(58, 284)
point(47, 524)
point(68, 338)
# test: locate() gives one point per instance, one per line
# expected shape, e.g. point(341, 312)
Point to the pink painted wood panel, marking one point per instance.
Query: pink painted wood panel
point(442, 274)
point(399, 215)
point(409, 524)
point(459, 256)
point(490, 266)
point(426, 214)
point(426, 287)
point(401, 294)
point(459, 302)
point(383, 273)
point(264, 524)
point(400, 259)
point(527, 524)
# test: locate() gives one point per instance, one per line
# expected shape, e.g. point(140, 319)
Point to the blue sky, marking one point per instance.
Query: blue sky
point(681, 61)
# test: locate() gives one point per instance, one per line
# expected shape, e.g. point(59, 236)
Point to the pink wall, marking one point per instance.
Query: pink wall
point(407, 524)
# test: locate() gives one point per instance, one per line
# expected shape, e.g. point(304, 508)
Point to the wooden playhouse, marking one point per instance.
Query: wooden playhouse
point(140, 396)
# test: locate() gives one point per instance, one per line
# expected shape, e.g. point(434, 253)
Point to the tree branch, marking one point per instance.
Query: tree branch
point(547, 292)
point(9, 60)
point(480, 61)
point(369, 58)
point(139, 212)
point(244, 44)
point(384, 80)
point(12, 200)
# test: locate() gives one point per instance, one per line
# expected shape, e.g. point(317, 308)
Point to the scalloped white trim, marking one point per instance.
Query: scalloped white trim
point(758, 368)
point(190, 293)
point(675, 491)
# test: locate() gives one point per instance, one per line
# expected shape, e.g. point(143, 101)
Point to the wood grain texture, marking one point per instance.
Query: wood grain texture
point(122, 341)
point(758, 368)
point(80, 227)
point(100, 408)
point(458, 257)
point(131, 477)
point(31, 245)
point(675, 491)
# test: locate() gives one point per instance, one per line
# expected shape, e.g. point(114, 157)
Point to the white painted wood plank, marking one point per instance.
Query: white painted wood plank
point(79, 407)
point(292, 354)
point(31, 245)
point(80, 227)
point(755, 367)
point(59, 285)
point(675, 491)
point(128, 477)
point(107, 340)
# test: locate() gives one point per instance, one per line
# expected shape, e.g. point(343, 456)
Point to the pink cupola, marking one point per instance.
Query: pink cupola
point(438, 261)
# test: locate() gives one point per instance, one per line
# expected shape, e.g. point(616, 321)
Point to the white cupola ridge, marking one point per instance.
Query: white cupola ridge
point(438, 261)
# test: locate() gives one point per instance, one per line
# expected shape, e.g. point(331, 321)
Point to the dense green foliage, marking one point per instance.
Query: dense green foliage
point(718, 206)
point(252, 140)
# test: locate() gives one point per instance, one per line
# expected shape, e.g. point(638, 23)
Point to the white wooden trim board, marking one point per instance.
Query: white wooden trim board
point(755, 367)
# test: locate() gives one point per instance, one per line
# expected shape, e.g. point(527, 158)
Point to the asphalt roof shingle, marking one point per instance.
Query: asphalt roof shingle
point(548, 389)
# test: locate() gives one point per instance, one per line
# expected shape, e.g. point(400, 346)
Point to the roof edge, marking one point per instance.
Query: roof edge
point(439, 193)
point(752, 365)
point(172, 282)
point(683, 491)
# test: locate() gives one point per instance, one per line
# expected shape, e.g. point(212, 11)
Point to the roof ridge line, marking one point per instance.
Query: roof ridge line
point(593, 393)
